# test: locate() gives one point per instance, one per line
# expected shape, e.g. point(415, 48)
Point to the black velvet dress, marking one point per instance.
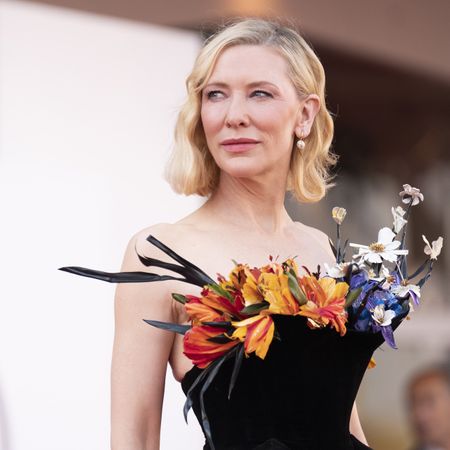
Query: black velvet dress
point(299, 397)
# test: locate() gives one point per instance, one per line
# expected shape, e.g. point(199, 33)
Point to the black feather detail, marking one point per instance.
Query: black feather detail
point(208, 381)
point(188, 403)
point(219, 324)
point(176, 327)
point(118, 277)
point(219, 339)
point(190, 271)
point(237, 365)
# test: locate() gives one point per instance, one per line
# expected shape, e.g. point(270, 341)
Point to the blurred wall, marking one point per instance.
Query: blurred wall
point(88, 105)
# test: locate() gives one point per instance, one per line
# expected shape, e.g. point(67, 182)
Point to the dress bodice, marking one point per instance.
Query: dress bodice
point(299, 397)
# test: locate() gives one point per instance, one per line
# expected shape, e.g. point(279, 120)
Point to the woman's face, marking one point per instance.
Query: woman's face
point(249, 95)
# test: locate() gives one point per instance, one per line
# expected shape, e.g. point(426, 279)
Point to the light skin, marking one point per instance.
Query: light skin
point(244, 219)
point(429, 409)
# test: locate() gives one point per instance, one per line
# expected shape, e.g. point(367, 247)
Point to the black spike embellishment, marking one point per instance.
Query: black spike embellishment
point(189, 272)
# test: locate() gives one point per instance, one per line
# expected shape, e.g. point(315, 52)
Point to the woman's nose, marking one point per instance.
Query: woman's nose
point(236, 114)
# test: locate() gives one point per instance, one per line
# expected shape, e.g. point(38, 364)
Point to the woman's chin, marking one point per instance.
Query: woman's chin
point(241, 172)
point(242, 167)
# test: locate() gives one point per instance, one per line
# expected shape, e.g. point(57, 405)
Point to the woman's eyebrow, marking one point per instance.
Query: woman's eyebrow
point(252, 84)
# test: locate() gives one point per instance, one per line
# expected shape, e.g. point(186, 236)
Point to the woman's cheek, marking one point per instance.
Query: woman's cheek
point(269, 117)
point(212, 118)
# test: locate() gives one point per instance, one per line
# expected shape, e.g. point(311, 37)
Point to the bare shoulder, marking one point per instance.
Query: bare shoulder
point(172, 235)
point(162, 231)
point(178, 237)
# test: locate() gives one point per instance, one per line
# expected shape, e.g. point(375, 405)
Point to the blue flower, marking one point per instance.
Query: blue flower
point(358, 279)
point(363, 322)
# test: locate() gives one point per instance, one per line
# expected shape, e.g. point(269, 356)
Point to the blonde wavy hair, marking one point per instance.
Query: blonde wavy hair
point(191, 169)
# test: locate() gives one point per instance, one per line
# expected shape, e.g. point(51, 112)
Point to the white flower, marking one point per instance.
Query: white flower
point(384, 249)
point(403, 289)
point(399, 221)
point(381, 316)
point(411, 195)
point(338, 214)
point(433, 250)
point(336, 271)
point(385, 275)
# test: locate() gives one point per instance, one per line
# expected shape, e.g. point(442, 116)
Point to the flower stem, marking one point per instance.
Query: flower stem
point(403, 266)
point(338, 243)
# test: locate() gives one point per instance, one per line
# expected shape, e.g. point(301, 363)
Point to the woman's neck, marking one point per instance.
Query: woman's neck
point(250, 205)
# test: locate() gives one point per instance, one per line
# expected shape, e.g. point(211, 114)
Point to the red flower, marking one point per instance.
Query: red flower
point(200, 350)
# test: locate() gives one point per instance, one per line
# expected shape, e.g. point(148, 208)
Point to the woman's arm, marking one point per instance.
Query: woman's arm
point(140, 356)
point(355, 426)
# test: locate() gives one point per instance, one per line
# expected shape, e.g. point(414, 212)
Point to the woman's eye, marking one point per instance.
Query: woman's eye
point(212, 94)
point(217, 94)
point(268, 94)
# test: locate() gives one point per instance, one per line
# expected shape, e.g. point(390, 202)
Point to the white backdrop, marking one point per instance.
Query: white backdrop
point(88, 106)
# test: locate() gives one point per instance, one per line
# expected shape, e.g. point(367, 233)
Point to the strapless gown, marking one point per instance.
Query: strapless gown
point(299, 397)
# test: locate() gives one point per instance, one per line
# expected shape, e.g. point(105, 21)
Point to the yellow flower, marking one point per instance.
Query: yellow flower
point(236, 278)
point(256, 332)
point(250, 291)
point(277, 293)
point(326, 302)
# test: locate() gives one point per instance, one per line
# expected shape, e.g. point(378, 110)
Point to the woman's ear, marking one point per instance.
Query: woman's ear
point(307, 111)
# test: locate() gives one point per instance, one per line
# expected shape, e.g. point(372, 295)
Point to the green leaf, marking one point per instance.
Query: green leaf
point(179, 298)
point(296, 290)
point(293, 285)
point(351, 297)
point(221, 291)
point(255, 308)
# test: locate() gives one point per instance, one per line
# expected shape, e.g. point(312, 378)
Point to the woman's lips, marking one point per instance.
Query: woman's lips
point(239, 146)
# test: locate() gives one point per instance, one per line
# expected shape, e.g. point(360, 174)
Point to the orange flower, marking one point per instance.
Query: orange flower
point(256, 332)
point(325, 305)
point(326, 301)
point(200, 350)
point(250, 290)
point(222, 304)
point(237, 278)
point(276, 291)
point(199, 312)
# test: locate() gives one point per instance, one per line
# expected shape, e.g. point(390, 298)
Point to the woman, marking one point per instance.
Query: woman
point(254, 125)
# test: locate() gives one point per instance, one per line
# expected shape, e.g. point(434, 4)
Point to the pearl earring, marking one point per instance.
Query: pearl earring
point(301, 143)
